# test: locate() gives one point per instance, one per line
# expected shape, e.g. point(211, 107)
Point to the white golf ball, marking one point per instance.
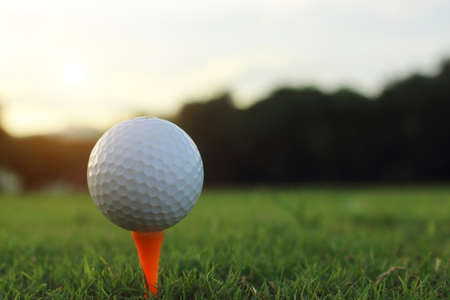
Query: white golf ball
point(145, 174)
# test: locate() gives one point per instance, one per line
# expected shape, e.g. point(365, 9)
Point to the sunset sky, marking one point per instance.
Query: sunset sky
point(89, 63)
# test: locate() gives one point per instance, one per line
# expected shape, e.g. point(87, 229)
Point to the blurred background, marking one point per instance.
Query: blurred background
point(272, 92)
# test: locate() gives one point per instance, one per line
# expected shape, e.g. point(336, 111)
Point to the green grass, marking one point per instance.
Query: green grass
point(305, 243)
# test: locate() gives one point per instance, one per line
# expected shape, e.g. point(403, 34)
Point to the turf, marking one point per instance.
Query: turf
point(296, 243)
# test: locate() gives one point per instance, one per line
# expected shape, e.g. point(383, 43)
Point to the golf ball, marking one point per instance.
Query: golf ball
point(145, 174)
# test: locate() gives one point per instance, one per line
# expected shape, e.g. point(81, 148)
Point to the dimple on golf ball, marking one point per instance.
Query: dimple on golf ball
point(145, 174)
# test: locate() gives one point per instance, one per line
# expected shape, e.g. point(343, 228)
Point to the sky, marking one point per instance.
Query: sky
point(89, 63)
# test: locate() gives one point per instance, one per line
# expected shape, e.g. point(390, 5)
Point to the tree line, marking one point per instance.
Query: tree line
point(294, 135)
point(306, 135)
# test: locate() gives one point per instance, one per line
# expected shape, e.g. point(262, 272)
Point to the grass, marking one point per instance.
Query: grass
point(305, 243)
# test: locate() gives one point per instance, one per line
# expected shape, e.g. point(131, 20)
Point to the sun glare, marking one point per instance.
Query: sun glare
point(73, 73)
